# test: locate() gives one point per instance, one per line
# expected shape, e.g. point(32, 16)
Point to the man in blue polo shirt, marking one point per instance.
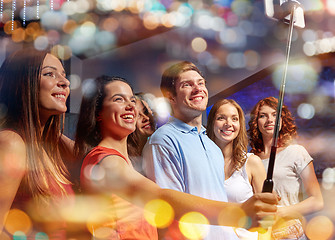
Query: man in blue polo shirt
point(179, 155)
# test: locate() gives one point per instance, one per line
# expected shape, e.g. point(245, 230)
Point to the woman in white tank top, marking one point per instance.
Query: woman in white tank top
point(244, 173)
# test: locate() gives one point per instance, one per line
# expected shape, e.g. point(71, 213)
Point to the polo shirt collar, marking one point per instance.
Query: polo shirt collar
point(184, 127)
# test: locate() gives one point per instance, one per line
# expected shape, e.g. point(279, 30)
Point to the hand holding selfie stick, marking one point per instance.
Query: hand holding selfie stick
point(268, 183)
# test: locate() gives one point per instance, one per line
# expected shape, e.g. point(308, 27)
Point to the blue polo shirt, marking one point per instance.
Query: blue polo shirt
point(178, 157)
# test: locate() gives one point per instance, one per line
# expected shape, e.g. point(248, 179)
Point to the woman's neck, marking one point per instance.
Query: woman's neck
point(226, 149)
point(267, 143)
point(229, 164)
point(117, 144)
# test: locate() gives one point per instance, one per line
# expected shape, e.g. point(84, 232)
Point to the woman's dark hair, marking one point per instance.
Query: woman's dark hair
point(88, 134)
point(20, 76)
point(240, 143)
point(287, 132)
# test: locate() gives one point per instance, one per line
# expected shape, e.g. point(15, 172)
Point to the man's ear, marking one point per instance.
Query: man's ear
point(171, 97)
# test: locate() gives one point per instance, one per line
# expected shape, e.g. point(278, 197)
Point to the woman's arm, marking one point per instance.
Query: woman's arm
point(13, 166)
point(313, 203)
point(124, 181)
point(256, 173)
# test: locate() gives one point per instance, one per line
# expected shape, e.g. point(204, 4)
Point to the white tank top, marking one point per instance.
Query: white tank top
point(238, 187)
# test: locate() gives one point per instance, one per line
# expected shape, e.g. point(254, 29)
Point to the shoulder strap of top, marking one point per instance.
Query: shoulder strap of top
point(99, 153)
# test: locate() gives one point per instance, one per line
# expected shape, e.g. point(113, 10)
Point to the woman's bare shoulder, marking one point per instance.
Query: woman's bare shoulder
point(254, 161)
point(11, 139)
point(12, 146)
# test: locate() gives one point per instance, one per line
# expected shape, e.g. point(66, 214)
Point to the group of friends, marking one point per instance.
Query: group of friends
point(124, 158)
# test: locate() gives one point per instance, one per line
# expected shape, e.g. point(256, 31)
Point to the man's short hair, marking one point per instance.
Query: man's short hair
point(172, 74)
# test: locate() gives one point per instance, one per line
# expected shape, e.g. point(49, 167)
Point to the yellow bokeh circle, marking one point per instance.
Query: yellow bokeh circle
point(194, 225)
point(158, 213)
point(18, 220)
point(319, 227)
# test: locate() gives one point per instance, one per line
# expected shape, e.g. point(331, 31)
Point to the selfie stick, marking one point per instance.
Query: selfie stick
point(268, 183)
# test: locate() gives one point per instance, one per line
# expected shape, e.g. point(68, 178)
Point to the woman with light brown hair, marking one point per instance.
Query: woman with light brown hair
point(293, 165)
point(244, 172)
point(33, 176)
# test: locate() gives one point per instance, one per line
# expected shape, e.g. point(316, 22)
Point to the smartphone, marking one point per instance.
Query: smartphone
point(280, 10)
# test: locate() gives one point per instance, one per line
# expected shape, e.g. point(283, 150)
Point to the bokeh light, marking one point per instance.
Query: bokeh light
point(110, 24)
point(167, 20)
point(236, 60)
point(53, 20)
point(69, 7)
point(235, 216)
point(267, 222)
point(53, 36)
point(319, 227)
point(162, 107)
point(69, 26)
point(88, 87)
point(158, 213)
point(19, 235)
point(306, 111)
point(96, 224)
point(252, 59)
point(301, 78)
point(84, 207)
point(83, 39)
point(18, 35)
point(41, 236)
point(119, 5)
point(75, 81)
point(194, 225)
point(330, 6)
point(242, 8)
point(217, 24)
point(97, 173)
point(41, 43)
point(309, 49)
point(33, 29)
point(10, 26)
point(150, 21)
point(199, 44)
point(62, 52)
point(205, 58)
point(18, 220)
point(186, 10)
point(309, 35)
point(328, 178)
point(88, 29)
point(202, 19)
point(83, 6)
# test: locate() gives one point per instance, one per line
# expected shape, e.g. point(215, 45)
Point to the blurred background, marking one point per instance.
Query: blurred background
point(240, 51)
